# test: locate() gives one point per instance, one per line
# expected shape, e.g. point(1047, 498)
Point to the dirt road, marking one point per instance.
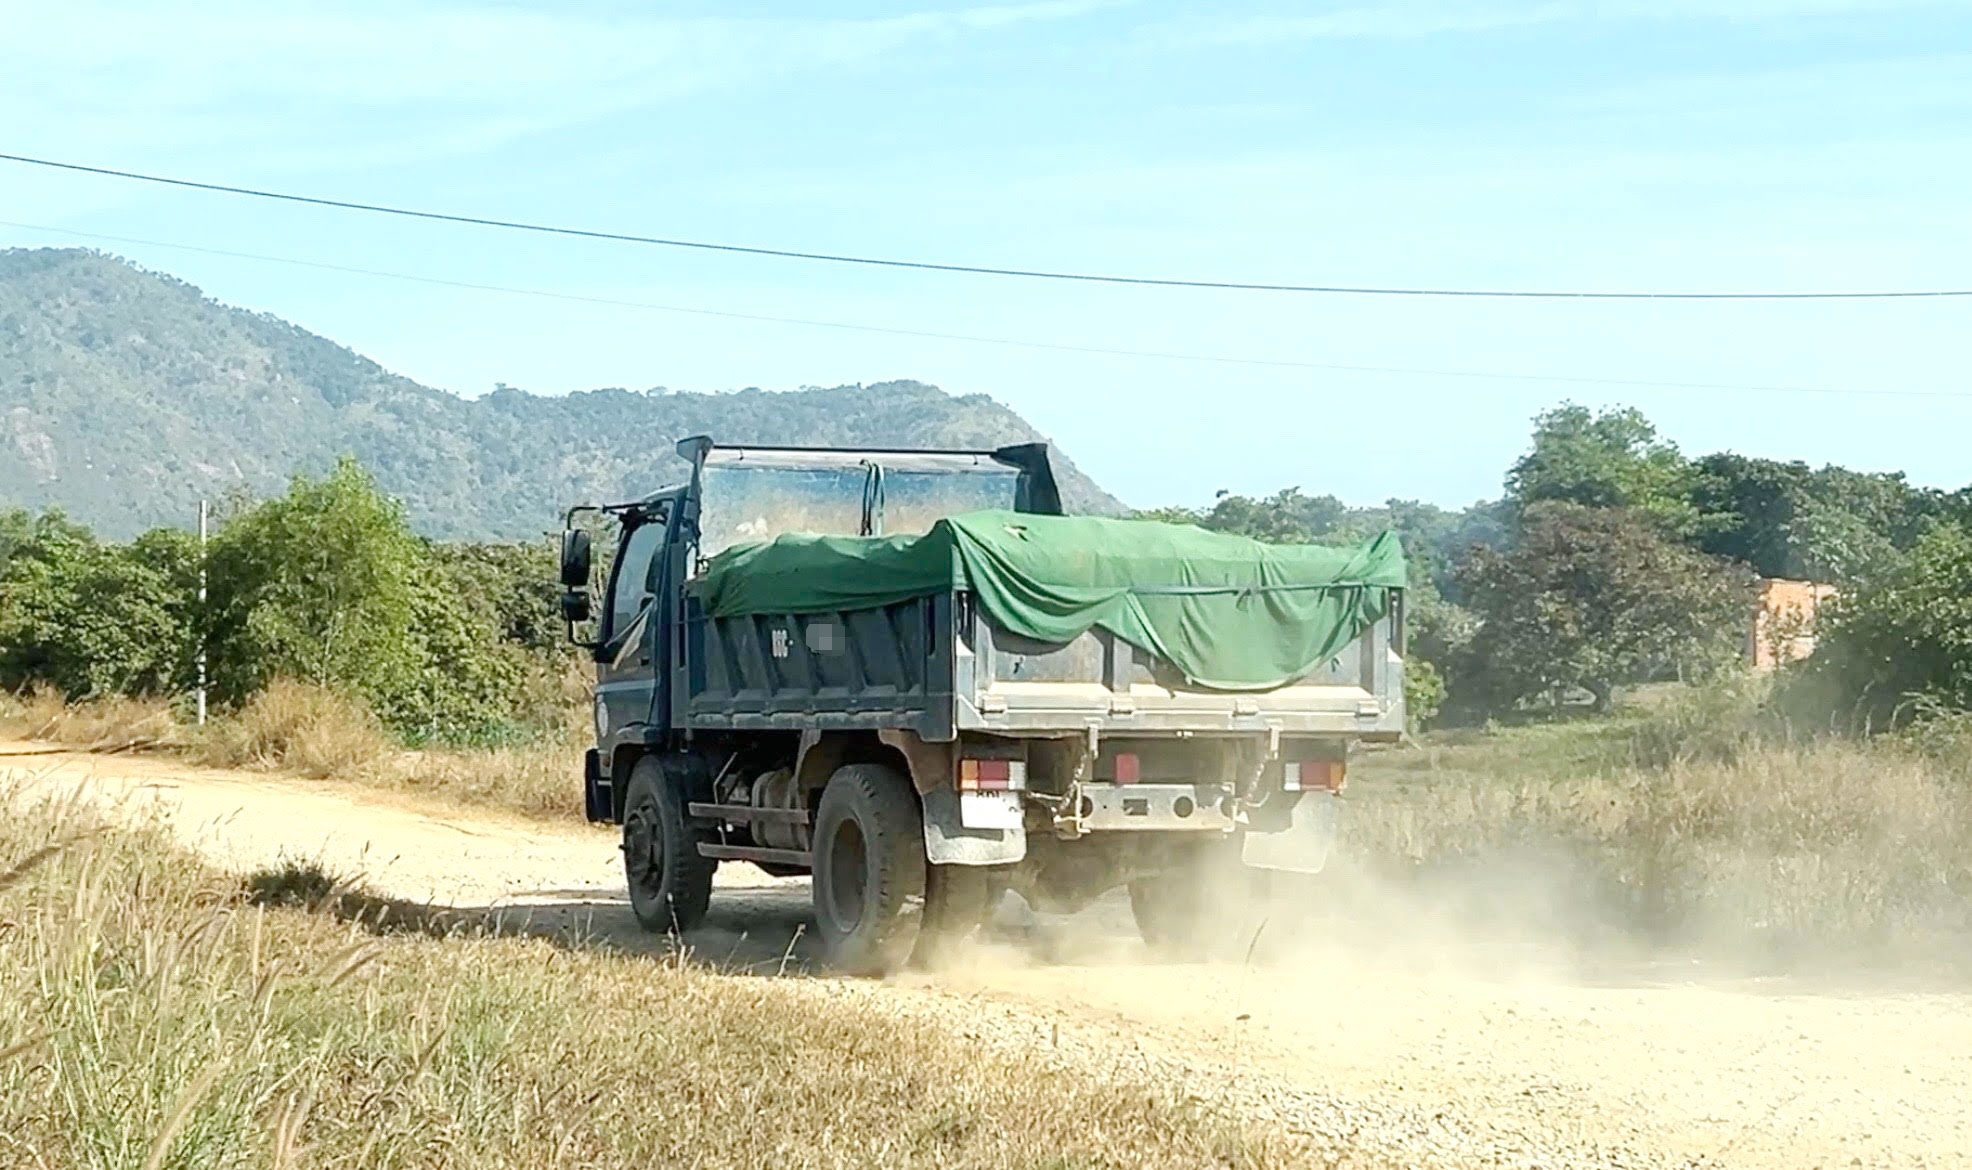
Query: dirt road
point(1395, 1060)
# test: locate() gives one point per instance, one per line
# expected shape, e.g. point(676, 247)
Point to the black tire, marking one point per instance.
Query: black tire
point(957, 900)
point(869, 870)
point(1204, 905)
point(670, 884)
point(1168, 913)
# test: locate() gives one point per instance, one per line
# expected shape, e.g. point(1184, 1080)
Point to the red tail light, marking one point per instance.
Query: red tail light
point(1126, 768)
point(986, 775)
point(1314, 776)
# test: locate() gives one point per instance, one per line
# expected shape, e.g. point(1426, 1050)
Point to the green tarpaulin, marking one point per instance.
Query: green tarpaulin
point(1230, 613)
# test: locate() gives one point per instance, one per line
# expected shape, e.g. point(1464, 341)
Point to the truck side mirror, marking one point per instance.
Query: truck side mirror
point(575, 606)
point(576, 556)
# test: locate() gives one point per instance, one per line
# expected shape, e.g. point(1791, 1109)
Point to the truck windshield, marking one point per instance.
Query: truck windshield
point(754, 495)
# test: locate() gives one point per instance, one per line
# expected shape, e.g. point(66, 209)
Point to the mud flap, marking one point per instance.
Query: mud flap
point(598, 802)
point(1303, 846)
point(947, 840)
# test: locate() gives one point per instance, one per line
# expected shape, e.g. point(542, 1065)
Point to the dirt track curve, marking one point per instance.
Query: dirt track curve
point(1393, 1061)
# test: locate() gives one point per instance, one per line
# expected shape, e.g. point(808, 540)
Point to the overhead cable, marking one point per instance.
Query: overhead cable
point(1013, 342)
point(977, 269)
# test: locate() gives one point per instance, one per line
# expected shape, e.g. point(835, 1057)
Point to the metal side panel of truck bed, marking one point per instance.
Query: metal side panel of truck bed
point(938, 665)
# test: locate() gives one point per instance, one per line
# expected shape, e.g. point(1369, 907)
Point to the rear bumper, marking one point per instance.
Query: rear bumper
point(1155, 808)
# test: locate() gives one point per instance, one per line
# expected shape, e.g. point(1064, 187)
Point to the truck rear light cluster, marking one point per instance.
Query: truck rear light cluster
point(1128, 771)
point(1314, 776)
point(992, 775)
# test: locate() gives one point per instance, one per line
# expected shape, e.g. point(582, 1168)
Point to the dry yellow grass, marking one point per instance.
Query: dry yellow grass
point(150, 1017)
point(103, 725)
point(1699, 821)
point(308, 731)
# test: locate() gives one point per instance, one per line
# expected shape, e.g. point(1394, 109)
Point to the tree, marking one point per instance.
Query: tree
point(16, 529)
point(1286, 517)
point(90, 618)
point(1609, 460)
point(1902, 639)
point(329, 585)
point(1750, 506)
point(513, 588)
point(1831, 524)
point(1594, 598)
point(317, 584)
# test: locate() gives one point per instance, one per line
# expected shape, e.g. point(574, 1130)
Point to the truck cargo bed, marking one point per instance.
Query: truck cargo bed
point(938, 665)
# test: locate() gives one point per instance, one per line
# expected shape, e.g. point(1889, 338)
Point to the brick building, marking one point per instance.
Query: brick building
point(1782, 628)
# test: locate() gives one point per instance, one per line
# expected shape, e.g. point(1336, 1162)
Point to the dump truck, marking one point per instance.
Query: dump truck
point(908, 674)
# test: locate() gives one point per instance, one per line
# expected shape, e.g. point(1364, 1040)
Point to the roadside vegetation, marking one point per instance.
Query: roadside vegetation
point(1603, 762)
point(1577, 643)
point(339, 645)
point(1694, 820)
point(307, 730)
point(153, 1016)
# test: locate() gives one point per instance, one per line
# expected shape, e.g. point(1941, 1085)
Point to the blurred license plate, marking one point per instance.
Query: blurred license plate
point(989, 810)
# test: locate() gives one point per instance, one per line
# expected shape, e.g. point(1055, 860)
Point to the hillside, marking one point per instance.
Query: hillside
point(126, 395)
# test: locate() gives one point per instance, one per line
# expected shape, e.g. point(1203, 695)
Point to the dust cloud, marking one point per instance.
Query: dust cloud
point(1515, 1008)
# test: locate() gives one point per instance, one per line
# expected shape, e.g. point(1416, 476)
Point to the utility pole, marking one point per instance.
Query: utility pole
point(203, 623)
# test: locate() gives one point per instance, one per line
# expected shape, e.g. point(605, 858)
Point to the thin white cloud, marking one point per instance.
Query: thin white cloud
point(1400, 20)
point(105, 76)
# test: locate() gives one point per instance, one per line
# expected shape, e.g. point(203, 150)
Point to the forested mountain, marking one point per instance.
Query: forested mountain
point(126, 395)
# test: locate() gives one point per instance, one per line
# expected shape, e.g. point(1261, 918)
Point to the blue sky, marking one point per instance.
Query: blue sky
point(1601, 144)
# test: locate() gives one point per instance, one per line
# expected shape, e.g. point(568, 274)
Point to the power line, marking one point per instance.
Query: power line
point(979, 270)
point(976, 339)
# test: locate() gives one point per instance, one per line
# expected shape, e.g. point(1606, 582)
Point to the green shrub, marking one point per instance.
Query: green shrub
point(91, 618)
point(1898, 646)
point(328, 584)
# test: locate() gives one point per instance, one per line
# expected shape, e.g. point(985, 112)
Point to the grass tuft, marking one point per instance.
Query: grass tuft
point(293, 883)
point(300, 728)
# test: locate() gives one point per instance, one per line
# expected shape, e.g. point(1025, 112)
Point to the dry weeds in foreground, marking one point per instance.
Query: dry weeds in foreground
point(150, 1017)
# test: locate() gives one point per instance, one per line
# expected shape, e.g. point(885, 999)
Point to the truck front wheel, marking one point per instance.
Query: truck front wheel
point(869, 870)
point(670, 884)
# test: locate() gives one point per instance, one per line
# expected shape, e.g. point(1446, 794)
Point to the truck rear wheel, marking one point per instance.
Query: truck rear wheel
point(869, 883)
point(1168, 912)
point(957, 900)
point(670, 884)
point(1204, 904)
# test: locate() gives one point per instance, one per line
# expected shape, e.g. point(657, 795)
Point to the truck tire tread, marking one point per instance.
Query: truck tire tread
point(674, 899)
point(872, 930)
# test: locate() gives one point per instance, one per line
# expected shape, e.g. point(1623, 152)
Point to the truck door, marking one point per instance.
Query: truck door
point(631, 668)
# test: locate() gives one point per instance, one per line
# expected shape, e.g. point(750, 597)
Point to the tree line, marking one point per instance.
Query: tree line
point(1609, 560)
point(327, 583)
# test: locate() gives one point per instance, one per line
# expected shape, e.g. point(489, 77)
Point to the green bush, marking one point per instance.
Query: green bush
point(95, 619)
point(1424, 691)
point(328, 584)
point(1898, 646)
